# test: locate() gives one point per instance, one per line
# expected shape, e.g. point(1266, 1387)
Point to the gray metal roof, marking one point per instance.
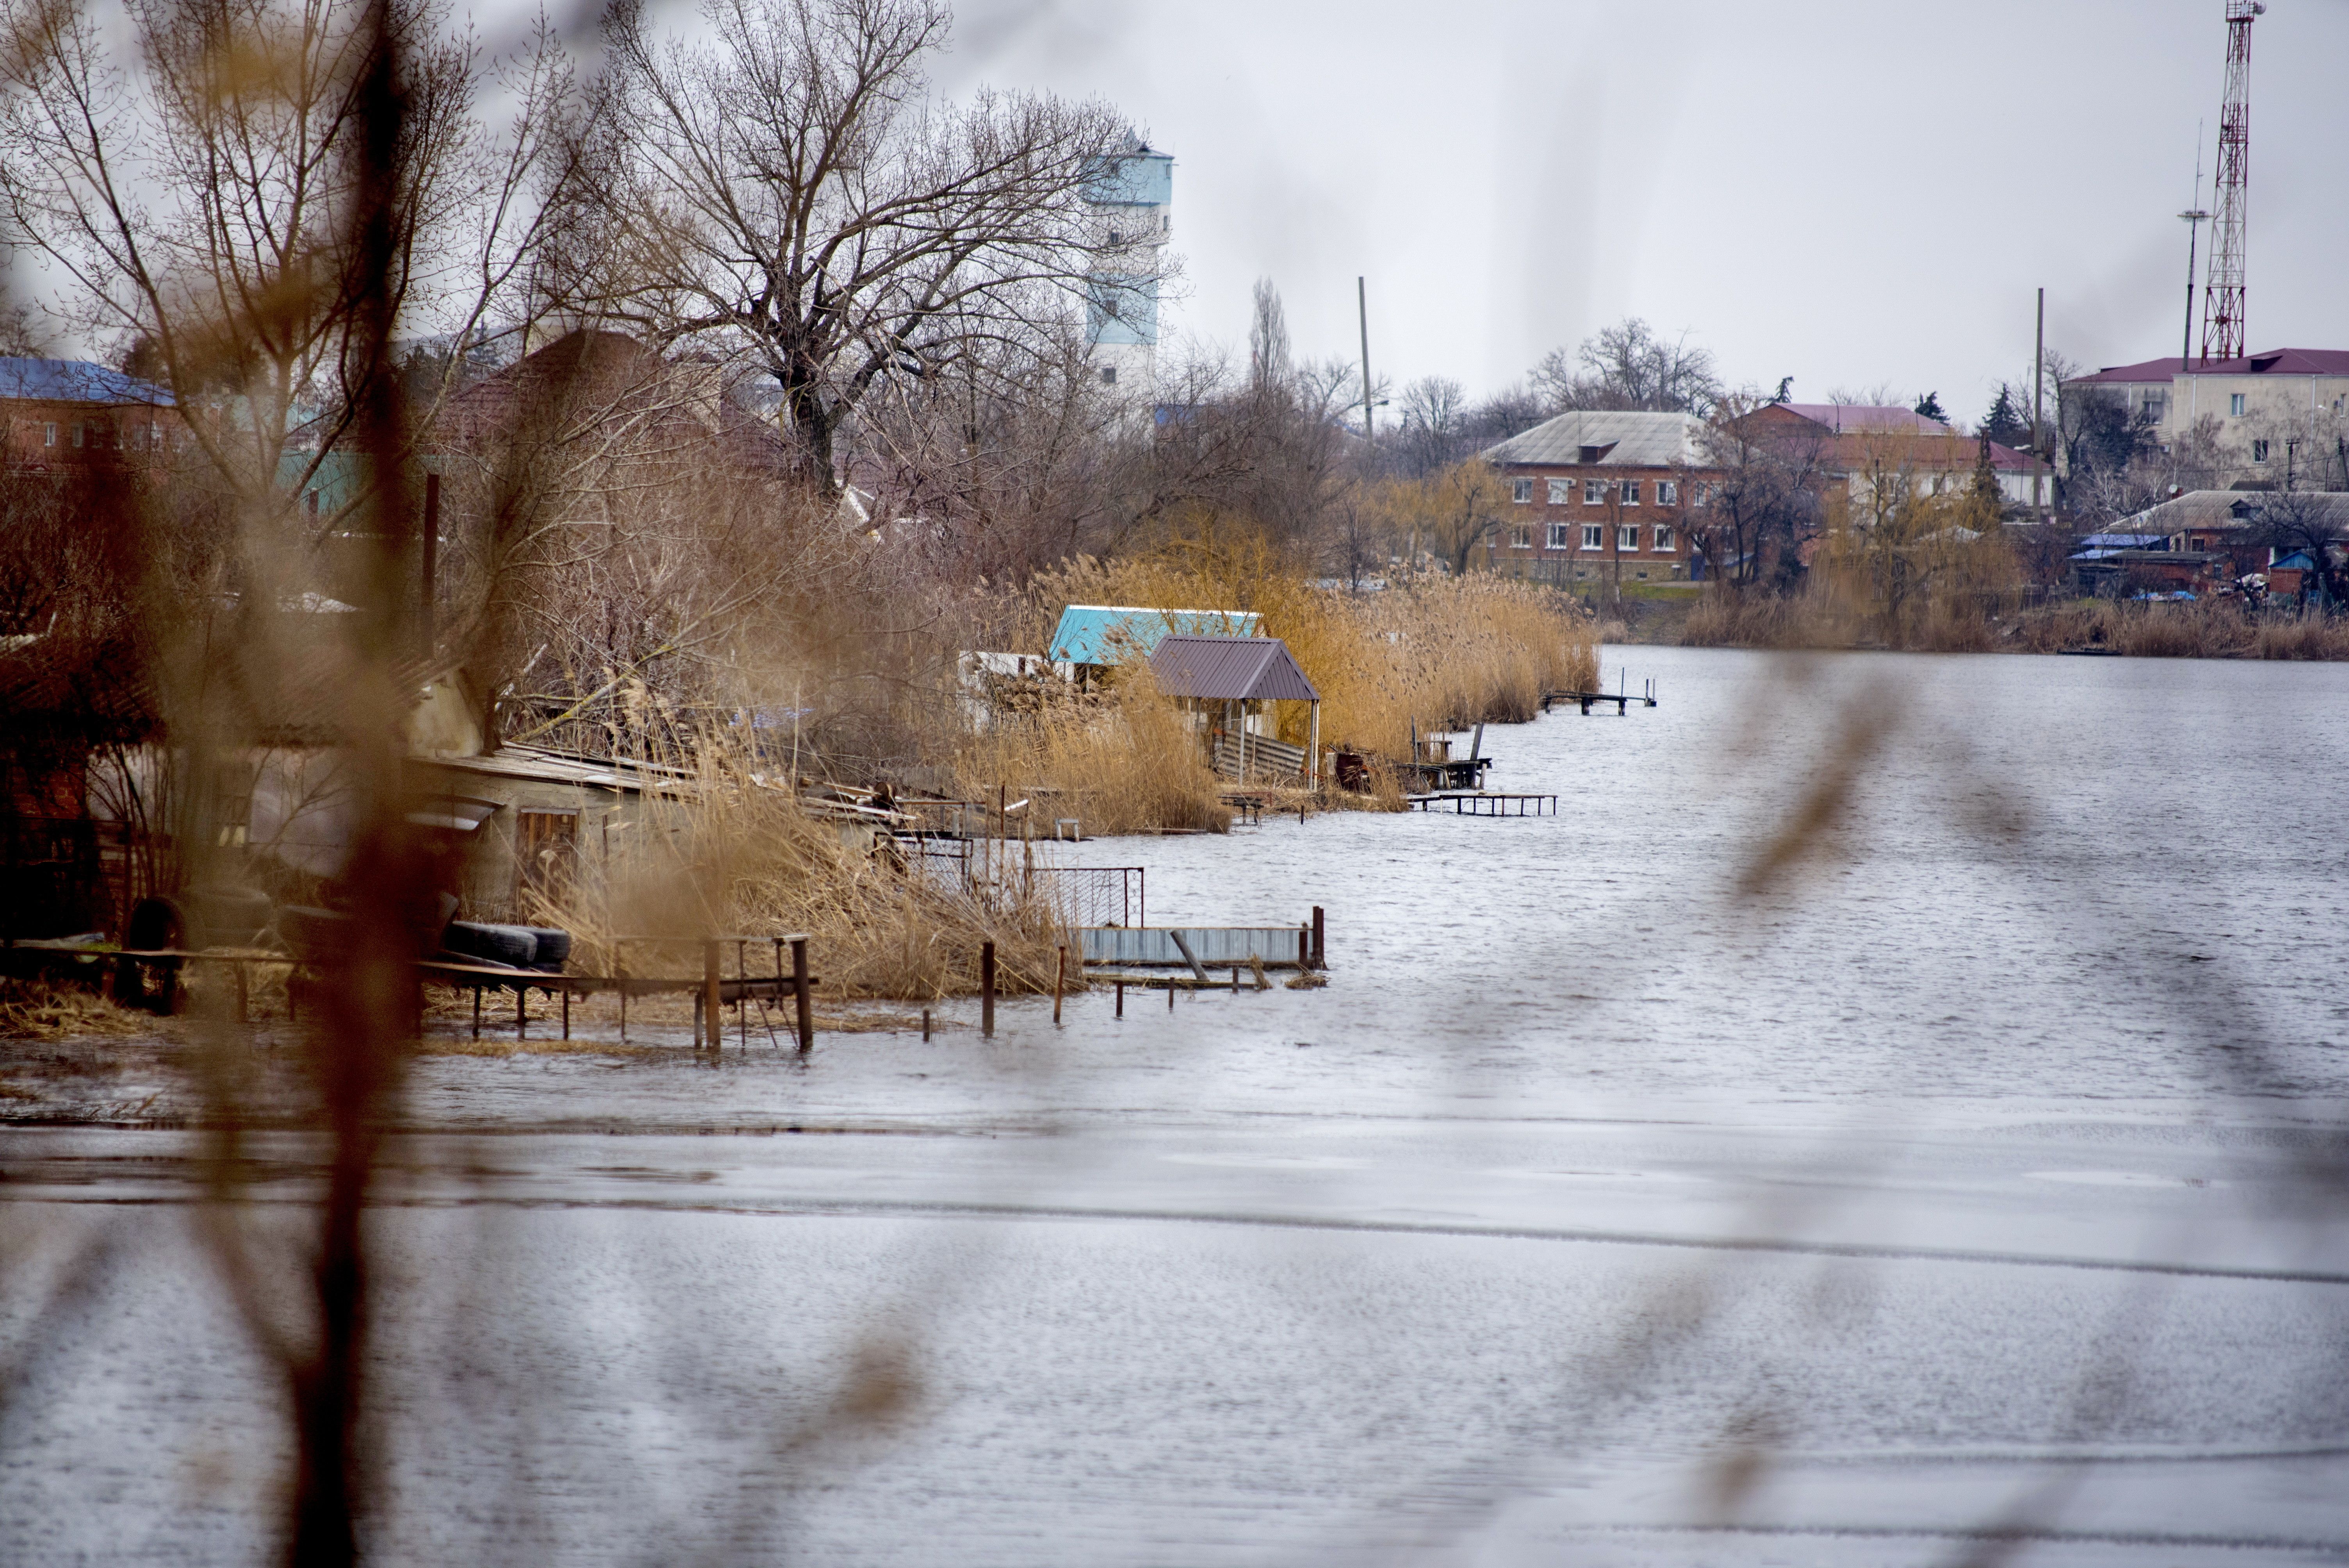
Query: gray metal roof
point(1230, 670)
point(76, 381)
point(2227, 509)
point(1637, 440)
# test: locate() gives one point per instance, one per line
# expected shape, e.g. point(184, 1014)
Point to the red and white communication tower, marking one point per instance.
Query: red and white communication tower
point(2223, 293)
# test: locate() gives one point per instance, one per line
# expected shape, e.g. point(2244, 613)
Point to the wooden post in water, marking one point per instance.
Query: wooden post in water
point(1320, 957)
point(566, 1012)
point(713, 1019)
point(926, 1026)
point(1060, 979)
point(987, 989)
point(1170, 992)
point(800, 1000)
point(1120, 998)
point(476, 1011)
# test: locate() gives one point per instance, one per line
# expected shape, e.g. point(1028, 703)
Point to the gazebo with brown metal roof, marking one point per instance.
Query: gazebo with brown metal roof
point(1238, 671)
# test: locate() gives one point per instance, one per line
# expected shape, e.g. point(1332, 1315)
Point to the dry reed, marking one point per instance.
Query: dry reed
point(1124, 761)
point(45, 1009)
point(1431, 650)
point(742, 857)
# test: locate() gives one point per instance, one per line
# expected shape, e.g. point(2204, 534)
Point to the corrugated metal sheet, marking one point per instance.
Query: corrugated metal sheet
point(1637, 440)
point(1230, 670)
point(2231, 508)
point(76, 381)
point(1112, 633)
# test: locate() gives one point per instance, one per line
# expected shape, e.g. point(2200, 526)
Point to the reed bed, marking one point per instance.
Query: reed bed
point(2206, 629)
point(1125, 761)
point(1431, 651)
point(742, 856)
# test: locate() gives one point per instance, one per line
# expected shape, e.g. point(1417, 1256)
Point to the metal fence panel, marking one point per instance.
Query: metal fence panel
point(1213, 945)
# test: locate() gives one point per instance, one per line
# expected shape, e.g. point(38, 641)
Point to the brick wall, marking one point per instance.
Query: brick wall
point(1548, 534)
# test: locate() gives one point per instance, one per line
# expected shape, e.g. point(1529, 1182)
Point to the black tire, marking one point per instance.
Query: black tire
point(512, 945)
point(554, 949)
point(316, 932)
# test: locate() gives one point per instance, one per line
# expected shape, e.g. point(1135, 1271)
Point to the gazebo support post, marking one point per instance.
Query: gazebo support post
point(1313, 747)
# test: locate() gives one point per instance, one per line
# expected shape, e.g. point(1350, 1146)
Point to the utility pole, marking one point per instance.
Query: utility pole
point(2193, 215)
point(2039, 405)
point(1362, 300)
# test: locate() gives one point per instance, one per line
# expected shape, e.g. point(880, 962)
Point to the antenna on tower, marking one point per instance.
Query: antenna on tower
point(2222, 294)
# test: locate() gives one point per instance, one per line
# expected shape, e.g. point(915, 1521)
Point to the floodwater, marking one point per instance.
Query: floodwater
point(1976, 1181)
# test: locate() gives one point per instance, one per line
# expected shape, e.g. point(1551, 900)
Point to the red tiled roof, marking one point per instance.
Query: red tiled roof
point(2271, 362)
point(1844, 418)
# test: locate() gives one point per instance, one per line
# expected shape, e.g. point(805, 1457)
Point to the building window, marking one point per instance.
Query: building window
point(1664, 537)
point(49, 434)
point(2152, 405)
point(1560, 491)
point(2258, 451)
point(1593, 490)
point(546, 851)
point(1521, 490)
point(1631, 492)
point(2235, 404)
point(78, 431)
point(1521, 538)
point(1591, 536)
point(1108, 375)
point(1668, 492)
point(1627, 536)
point(1561, 536)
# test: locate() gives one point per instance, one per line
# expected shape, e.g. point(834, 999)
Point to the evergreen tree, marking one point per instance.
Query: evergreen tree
point(1930, 407)
point(2005, 423)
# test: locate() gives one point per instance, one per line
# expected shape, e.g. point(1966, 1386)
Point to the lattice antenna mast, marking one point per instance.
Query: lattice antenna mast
point(2222, 294)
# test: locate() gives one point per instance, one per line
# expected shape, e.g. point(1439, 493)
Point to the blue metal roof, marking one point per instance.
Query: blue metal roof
point(1114, 634)
point(76, 381)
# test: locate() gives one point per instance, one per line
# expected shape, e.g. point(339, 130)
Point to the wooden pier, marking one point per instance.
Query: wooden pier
point(1623, 700)
point(1478, 803)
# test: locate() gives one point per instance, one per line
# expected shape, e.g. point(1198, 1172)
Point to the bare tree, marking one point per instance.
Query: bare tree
point(789, 190)
point(2313, 523)
point(204, 204)
point(1757, 497)
point(1432, 430)
point(1628, 366)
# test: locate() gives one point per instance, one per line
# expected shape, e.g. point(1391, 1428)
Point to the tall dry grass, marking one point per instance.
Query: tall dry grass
point(2210, 629)
point(2308, 636)
point(737, 857)
point(1124, 761)
point(1432, 650)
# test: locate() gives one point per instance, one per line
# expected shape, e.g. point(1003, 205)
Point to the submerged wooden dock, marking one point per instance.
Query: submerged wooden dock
point(1479, 803)
point(1622, 700)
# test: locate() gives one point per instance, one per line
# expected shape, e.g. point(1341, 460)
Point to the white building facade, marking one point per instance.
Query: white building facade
point(1131, 195)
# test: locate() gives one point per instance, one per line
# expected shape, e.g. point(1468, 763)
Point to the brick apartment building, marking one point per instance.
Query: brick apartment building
point(63, 413)
point(1593, 495)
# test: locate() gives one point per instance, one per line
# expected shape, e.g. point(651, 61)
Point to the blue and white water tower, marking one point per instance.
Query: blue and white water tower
point(1132, 193)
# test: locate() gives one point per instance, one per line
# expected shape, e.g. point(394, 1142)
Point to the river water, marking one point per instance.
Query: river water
point(1976, 1172)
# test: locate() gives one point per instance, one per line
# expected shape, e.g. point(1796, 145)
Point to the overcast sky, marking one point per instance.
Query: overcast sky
point(1846, 191)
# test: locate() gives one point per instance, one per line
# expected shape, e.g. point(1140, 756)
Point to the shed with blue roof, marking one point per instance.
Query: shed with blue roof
point(1101, 636)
